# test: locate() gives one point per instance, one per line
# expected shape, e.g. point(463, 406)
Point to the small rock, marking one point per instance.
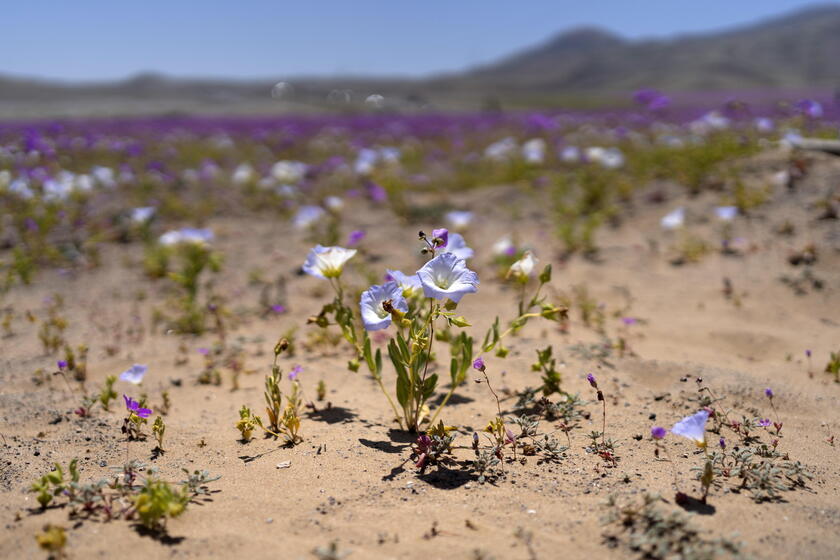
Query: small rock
point(284, 464)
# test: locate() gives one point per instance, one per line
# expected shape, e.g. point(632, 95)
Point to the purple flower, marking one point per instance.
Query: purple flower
point(658, 432)
point(764, 422)
point(278, 308)
point(591, 379)
point(204, 351)
point(355, 237)
point(769, 392)
point(293, 375)
point(377, 193)
point(443, 235)
point(62, 364)
point(479, 364)
point(629, 320)
point(722, 443)
point(133, 406)
point(808, 353)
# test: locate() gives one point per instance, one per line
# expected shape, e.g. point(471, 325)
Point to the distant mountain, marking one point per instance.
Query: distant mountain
point(798, 50)
point(587, 65)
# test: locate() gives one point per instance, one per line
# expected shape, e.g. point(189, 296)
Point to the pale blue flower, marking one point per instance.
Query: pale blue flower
point(307, 216)
point(134, 374)
point(726, 213)
point(447, 276)
point(142, 214)
point(693, 427)
point(673, 219)
point(327, 262)
point(374, 315)
point(458, 247)
point(410, 285)
point(459, 219)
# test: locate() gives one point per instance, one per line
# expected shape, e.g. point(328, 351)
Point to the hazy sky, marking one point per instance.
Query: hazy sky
point(105, 39)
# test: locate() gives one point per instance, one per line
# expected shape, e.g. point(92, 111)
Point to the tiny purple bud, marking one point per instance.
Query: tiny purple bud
point(204, 351)
point(479, 364)
point(278, 308)
point(443, 235)
point(355, 237)
point(295, 372)
point(658, 432)
point(808, 353)
point(764, 422)
point(769, 392)
point(722, 443)
point(629, 320)
point(62, 364)
point(591, 379)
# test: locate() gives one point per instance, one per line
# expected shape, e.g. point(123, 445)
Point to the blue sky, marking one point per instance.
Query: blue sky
point(100, 40)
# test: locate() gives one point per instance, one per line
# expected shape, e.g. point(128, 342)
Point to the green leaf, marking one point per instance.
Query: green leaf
point(429, 386)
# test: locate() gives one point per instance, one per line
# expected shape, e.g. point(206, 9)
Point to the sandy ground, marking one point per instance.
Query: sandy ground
point(350, 480)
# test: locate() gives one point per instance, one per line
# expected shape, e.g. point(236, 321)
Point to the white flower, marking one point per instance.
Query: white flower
point(500, 150)
point(458, 247)
point(534, 150)
point(375, 101)
point(242, 174)
point(504, 246)
point(334, 203)
point(459, 219)
point(186, 235)
point(288, 171)
point(134, 374)
point(612, 158)
point(447, 276)
point(673, 219)
point(327, 262)
point(374, 315)
point(524, 267)
point(693, 427)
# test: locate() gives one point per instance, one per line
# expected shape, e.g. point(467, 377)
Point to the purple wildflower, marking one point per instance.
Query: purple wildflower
point(658, 432)
point(769, 392)
point(62, 364)
point(591, 379)
point(293, 375)
point(377, 193)
point(278, 308)
point(722, 443)
point(764, 422)
point(133, 406)
point(443, 235)
point(479, 364)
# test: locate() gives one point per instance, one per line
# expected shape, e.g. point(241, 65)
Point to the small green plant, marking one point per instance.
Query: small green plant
point(54, 484)
point(158, 430)
point(833, 366)
point(53, 539)
point(158, 501)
